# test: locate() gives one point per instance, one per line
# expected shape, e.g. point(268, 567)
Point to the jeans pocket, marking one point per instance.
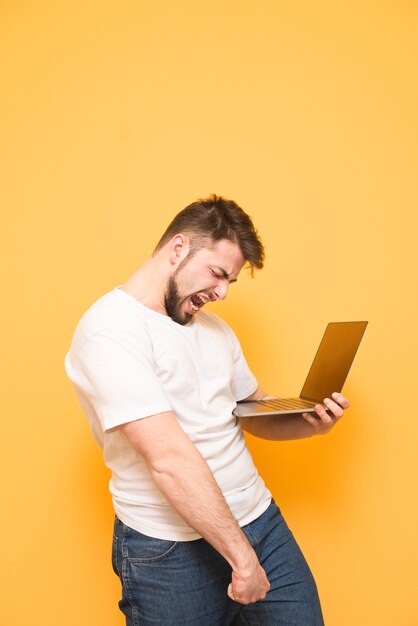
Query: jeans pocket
point(141, 548)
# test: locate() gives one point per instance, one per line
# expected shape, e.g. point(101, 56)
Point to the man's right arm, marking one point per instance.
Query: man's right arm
point(185, 479)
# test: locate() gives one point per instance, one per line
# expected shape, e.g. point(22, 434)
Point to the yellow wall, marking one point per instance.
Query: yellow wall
point(115, 115)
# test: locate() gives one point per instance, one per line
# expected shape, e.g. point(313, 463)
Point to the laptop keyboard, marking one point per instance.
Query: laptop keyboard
point(288, 403)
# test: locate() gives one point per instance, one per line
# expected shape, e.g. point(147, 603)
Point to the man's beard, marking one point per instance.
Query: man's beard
point(173, 302)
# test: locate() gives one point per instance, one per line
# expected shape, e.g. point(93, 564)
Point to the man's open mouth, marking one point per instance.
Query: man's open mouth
point(197, 301)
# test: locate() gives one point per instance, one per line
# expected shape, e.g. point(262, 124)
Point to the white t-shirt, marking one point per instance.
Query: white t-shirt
point(129, 362)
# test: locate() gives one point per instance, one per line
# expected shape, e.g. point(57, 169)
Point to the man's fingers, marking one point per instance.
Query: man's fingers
point(328, 415)
point(310, 418)
point(335, 408)
point(321, 412)
point(249, 588)
point(342, 401)
point(319, 425)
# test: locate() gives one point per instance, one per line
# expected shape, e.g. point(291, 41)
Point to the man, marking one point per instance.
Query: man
point(198, 539)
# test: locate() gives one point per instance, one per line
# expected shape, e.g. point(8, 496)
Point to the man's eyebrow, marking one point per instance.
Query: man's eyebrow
point(225, 274)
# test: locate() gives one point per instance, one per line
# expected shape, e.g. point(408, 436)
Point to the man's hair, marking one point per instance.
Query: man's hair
point(209, 220)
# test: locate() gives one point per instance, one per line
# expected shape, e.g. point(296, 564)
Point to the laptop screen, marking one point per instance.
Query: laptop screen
point(333, 360)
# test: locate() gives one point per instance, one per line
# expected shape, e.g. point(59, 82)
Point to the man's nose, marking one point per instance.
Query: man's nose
point(221, 290)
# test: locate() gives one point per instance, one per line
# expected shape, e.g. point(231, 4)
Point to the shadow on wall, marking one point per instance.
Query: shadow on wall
point(89, 478)
point(317, 471)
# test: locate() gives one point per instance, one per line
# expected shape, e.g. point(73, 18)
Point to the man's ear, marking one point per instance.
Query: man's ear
point(179, 248)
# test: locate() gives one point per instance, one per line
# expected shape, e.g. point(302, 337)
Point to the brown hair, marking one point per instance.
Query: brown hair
point(211, 219)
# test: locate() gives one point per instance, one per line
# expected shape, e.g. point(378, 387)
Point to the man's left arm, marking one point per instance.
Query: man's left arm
point(295, 425)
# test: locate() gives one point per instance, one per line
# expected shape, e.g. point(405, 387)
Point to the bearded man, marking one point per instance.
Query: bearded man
point(198, 538)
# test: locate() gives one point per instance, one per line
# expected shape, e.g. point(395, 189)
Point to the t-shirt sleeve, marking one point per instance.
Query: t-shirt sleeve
point(115, 370)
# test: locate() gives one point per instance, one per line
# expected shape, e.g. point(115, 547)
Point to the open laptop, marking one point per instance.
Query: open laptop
point(328, 373)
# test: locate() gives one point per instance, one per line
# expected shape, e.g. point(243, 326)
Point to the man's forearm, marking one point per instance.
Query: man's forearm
point(278, 427)
point(186, 480)
point(189, 485)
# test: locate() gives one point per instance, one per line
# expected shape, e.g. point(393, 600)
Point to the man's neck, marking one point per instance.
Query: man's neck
point(148, 284)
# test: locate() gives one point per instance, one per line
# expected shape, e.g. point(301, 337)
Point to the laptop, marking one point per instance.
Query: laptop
point(328, 373)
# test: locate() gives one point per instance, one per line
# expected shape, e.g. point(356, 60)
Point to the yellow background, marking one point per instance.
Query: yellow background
point(114, 116)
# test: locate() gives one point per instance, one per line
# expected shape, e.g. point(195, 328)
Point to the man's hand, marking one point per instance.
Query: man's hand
point(249, 584)
point(284, 427)
point(336, 406)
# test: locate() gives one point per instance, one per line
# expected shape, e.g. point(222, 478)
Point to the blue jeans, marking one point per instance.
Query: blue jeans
point(179, 583)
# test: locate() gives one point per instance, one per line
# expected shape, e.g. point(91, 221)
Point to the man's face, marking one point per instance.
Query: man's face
point(204, 277)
